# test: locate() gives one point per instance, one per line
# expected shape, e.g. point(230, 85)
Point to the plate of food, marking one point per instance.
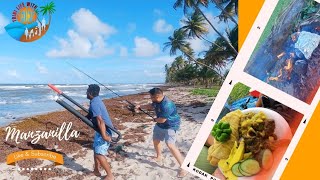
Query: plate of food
point(249, 144)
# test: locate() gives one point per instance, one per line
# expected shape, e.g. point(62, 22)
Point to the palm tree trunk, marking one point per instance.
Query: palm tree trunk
point(49, 20)
point(225, 12)
point(224, 38)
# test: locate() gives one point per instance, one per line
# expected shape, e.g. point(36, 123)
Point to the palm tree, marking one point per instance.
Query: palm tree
point(220, 50)
point(227, 12)
point(169, 73)
point(220, 54)
point(178, 42)
point(179, 61)
point(233, 37)
point(194, 26)
point(230, 8)
point(48, 9)
point(195, 5)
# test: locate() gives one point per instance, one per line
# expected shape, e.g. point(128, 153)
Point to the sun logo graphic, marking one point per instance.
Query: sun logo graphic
point(30, 22)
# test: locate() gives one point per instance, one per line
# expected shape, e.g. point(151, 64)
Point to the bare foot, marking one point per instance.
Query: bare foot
point(109, 177)
point(158, 160)
point(96, 173)
point(182, 173)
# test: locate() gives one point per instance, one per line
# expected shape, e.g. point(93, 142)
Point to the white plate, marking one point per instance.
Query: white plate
point(282, 130)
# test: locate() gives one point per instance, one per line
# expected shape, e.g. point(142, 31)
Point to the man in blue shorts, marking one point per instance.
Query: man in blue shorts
point(167, 125)
point(100, 118)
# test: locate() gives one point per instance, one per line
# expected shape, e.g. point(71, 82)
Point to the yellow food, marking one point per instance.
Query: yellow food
point(238, 155)
point(221, 150)
point(223, 166)
point(224, 163)
point(247, 155)
point(226, 171)
point(235, 156)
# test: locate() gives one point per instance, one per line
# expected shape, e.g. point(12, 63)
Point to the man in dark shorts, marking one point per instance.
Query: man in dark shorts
point(100, 118)
point(168, 123)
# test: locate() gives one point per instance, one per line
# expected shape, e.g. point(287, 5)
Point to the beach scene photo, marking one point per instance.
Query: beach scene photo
point(250, 137)
point(287, 54)
point(109, 93)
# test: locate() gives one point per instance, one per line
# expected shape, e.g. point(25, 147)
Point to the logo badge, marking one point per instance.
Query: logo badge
point(30, 22)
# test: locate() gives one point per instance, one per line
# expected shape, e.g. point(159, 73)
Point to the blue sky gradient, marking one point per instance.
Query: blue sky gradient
point(115, 42)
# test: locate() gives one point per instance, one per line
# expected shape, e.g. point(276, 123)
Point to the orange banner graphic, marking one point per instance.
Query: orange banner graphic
point(34, 154)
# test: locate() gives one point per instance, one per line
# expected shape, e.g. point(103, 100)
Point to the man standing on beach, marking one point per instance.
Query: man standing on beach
point(100, 117)
point(168, 123)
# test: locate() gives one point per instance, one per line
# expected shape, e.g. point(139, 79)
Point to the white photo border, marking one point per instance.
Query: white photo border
point(236, 75)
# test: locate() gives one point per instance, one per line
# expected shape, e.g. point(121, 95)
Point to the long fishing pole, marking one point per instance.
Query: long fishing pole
point(108, 89)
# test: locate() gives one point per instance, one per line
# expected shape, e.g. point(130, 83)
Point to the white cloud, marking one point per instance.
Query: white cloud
point(198, 45)
point(3, 22)
point(13, 73)
point(145, 48)
point(41, 68)
point(123, 51)
point(131, 27)
point(157, 12)
point(89, 24)
point(88, 38)
point(161, 26)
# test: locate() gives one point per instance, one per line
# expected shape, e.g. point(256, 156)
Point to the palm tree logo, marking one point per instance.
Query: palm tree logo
point(30, 22)
point(48, 9)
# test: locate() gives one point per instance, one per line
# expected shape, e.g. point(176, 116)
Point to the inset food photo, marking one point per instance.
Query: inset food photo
point(250, 136)
point(287, 54)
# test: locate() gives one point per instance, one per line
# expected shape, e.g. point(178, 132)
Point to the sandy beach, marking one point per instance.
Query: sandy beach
point(129, 157)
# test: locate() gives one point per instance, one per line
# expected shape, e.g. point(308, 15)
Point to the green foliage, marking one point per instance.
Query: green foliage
point(239, 91)
point(207, 70)
point(194, 26)
point(311, 8)
point(48, 9)
point(212, 92)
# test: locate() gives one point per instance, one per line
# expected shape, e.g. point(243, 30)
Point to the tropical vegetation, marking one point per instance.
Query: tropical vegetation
point(209, 67)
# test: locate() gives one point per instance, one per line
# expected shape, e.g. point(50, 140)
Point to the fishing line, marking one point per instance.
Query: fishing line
point(130, 103)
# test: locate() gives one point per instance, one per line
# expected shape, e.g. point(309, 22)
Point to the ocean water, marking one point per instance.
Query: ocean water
point(19, 101)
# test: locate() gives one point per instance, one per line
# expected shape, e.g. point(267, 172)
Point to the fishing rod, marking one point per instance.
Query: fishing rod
point(79, 115)
point(130, 103)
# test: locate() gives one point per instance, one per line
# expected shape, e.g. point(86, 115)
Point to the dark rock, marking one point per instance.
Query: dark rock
point(300, 67)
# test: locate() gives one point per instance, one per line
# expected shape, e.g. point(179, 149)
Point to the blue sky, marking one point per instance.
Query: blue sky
point(118, 42)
